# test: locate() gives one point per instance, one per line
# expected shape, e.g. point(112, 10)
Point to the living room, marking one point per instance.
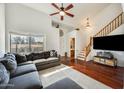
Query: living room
point(37, 44)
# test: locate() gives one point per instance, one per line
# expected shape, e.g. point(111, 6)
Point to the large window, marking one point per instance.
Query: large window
point(25, 44)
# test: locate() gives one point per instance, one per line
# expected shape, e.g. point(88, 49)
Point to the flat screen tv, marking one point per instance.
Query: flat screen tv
point(114, 43)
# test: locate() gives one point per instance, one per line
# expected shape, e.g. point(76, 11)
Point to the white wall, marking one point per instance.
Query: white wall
point(122, 6)
point(2, 27)
point(103, 18)
point(22, 19)
point(63, 43)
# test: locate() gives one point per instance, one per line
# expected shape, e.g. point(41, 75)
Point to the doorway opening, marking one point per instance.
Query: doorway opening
point(72, 48)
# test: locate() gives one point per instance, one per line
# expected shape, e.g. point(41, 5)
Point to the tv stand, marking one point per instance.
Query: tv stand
point(106, 61)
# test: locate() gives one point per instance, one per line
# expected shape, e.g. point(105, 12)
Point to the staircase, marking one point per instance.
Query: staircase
point(82, 55)
point(114, 24)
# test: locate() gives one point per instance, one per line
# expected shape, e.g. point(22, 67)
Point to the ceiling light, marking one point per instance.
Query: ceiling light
point(77, 29)
point(62, 13)
point(87, 24)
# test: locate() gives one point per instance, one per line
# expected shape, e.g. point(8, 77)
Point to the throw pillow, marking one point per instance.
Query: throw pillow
point(10, 55)
point(53, 53)
point(37, 56)
point(20, 58)
point(46, 54)
point(4, 76)
point(9, 62)
point(29, 57)
point(41, 55)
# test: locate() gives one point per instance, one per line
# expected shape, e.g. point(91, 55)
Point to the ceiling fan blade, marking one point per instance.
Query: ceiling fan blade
point(54, 13)
point(53, 4)
point(69, 7)
point(62, 17)
point(69, 14)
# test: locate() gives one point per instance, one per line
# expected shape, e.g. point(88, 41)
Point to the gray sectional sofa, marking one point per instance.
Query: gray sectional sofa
point(20, 71)
point(15, 75)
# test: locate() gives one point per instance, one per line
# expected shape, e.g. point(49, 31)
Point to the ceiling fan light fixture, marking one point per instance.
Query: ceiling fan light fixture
point(87, 24)
point(61, 13)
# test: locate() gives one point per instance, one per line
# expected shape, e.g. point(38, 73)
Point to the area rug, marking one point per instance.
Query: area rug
point(54, 74)
point(65, 83)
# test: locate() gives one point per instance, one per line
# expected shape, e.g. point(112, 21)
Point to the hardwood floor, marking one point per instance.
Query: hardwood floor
point(113, 77)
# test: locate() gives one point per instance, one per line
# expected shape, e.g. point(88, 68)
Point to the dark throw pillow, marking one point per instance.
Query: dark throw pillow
point(20, 58)
point(4, 76)
point(41, 55)
point(37, 56)
point(46, 54)
point(29, 57)
point(9, 62)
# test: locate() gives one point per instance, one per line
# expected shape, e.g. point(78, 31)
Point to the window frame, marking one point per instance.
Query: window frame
point(29, 36)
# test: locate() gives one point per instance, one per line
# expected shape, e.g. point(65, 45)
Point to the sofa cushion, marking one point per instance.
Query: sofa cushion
point(29, 57)
point(45, 61)
point(41, 55)
point(23, 69)
point(20, 58)
point(38, 56)
point(39, 61)
point(4, 76)
point(52, 59)
point(46, 54)
point(9, 62)
point(27, 81)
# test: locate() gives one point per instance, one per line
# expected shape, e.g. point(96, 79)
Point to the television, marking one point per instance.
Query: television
point(114, 43)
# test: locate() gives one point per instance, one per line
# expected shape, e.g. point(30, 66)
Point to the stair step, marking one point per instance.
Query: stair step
point(82, 52)
point(81, 59)
point(81, 55)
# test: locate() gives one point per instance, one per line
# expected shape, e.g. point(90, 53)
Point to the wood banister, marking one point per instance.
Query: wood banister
point(111, 26)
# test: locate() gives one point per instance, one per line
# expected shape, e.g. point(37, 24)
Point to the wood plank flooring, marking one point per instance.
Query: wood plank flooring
point(113, 77)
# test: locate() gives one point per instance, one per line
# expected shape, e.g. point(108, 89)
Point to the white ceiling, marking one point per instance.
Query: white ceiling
point(80, 10)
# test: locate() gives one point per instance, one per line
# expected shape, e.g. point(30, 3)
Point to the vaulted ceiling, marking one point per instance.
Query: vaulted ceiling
point(80, 10)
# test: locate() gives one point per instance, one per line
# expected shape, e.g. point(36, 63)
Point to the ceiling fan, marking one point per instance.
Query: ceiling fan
point(62, 10)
